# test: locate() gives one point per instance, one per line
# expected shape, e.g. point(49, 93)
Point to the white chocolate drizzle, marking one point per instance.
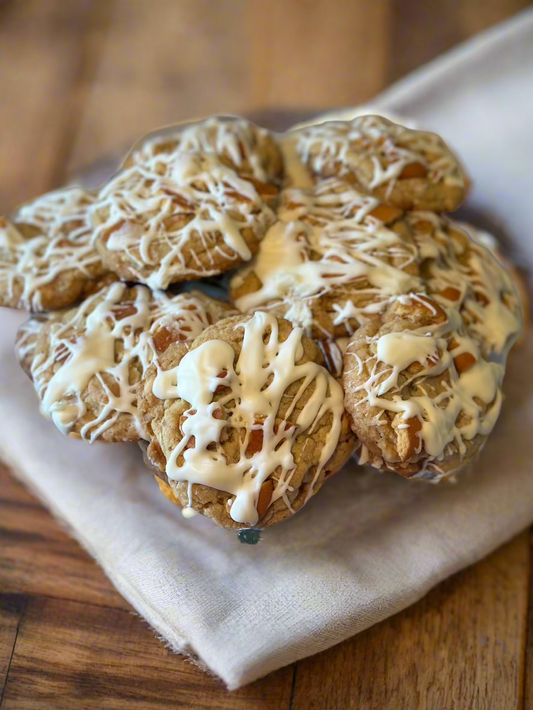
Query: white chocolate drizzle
point(26, 341)
point(233, 139)
point(62, 243)
point(483, 290)
point(352, 147)
point(399, 350)
point(162, 213)
point(494, 316)
point(326, 240)
point(105, 338)
point(257, 382)
point(296, 173)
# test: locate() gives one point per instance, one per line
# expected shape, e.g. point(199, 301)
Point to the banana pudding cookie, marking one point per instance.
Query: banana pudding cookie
point(86, 362)
point(401, 166)
point(246, 424)
point(250, 150)
point(460, 272)
point(420, 393)
point(194, 219)
point(334, 259)
point(47, 260)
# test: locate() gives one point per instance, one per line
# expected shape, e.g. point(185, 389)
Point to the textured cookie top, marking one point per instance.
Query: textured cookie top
point(26, 341)
point(46, 256)
point(239, 144)
point(461, 272)
point(334, 258)
point(179, 216)
point(88, 360)
point(421, 394)
point(407, 168)
point(510, 265)
point(246, 424)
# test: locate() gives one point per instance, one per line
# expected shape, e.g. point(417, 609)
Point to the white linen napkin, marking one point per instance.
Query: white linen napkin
point(369, 544)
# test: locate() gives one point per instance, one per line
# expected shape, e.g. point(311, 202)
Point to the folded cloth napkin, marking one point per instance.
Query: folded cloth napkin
point(369, 544)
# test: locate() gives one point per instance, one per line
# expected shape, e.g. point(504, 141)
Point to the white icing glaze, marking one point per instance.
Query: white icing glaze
point(474, 393)
point(388, 146)
point(348, 114)
point(62, 243)
point(26, 339)
point(296, 174)
point(495, 323)
point(488, 301)
point(399, 350)
point(326, 239)
point(188, 513)
point(205, 198)
point(252, 404)
point(83, 343)
point(232, 138)
point(364, 456)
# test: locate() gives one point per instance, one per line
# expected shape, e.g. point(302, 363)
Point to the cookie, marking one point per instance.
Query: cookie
point(194, 219)
point(95, 286)
point(333, 260)
point(459, 272)
point(246, 148)
point(246, 424)
point(518, 278)
point(47, 259)
point(88, 360)
point(421, 395)
point(26, 341)
point(401, 166)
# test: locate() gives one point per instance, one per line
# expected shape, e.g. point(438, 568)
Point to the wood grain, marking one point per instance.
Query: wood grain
point(317, 54)
point(41, 43)
point(528, 679)
point(460, 647)
point(71, 655)
point(421, 31)
point(11, 610)
point(181, 60)
point(38, 557)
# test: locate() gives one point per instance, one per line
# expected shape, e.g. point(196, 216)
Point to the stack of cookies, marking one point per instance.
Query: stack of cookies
point(357, 318)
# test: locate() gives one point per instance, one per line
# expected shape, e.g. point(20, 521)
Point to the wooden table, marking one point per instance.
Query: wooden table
point(79, 79)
